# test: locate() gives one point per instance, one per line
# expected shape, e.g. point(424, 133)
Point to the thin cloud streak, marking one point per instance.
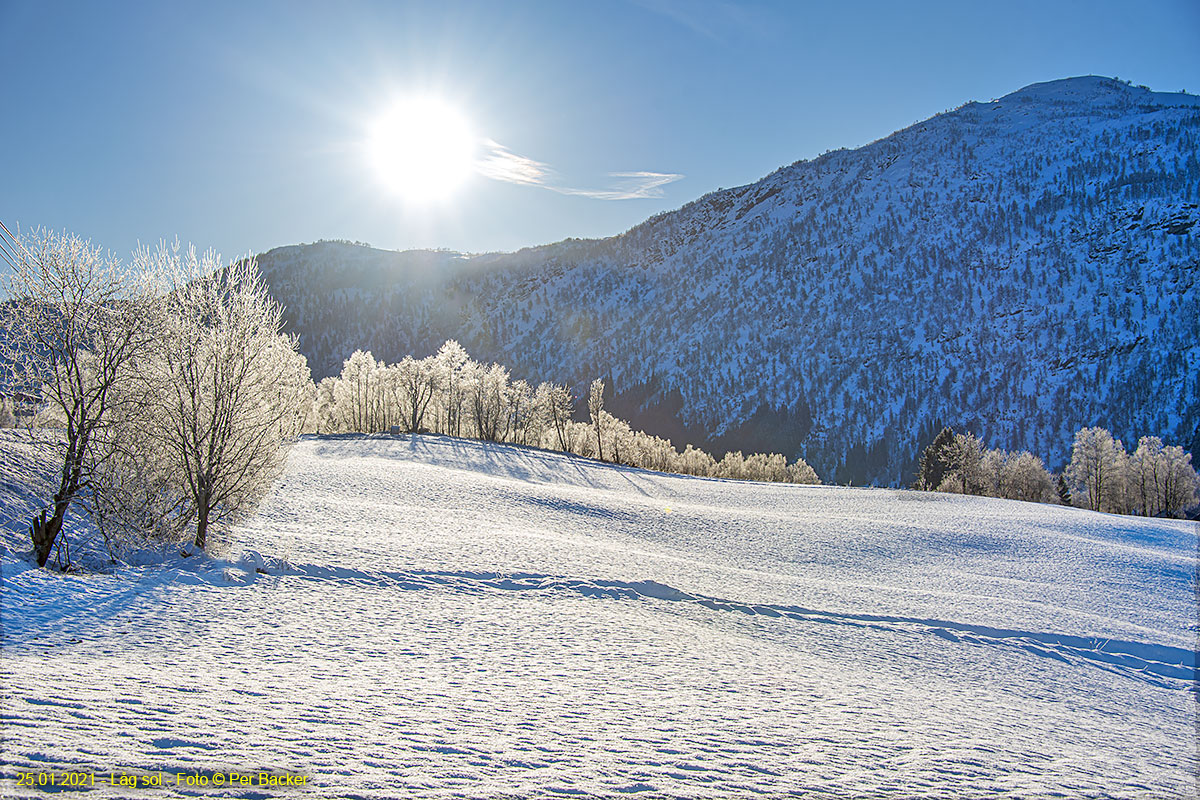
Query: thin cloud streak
point(501, 164)
point(635, 186)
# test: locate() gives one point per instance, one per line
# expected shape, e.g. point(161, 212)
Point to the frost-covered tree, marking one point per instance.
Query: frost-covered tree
point(1181, 490)
point(800, 472)
point(453, 392)
point(991, 470)
point(694, 461)
point(558, 405)
point(521, 412)
point(1023, 476)
point(652, 452)
point(581, 439)
point(615, 438)
point(1098, 471)
point(417, 382)
point(1148, 475)
point(964, 461)
point(488, 397)
point(536, 427)
point(732, 466)
point(352, 395)
point(663, 455)
point(595, 414)
point(74, 322)
point(383, 398)
point(766, 467)
point(454, 368)
point(1162, 481)
point(225, 382)
point(324, 403)
point(997, 473)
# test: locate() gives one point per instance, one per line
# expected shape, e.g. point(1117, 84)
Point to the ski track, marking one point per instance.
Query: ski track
point(444, 618)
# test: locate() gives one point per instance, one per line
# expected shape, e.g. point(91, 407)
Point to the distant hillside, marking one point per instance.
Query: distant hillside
point(1019, 268)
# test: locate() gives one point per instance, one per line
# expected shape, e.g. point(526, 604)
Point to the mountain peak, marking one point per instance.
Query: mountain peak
point(1018, 269)
point(1096, 90)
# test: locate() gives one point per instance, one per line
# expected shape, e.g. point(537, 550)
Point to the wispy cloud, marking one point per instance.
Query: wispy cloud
point(630, 186)
point(501, 164)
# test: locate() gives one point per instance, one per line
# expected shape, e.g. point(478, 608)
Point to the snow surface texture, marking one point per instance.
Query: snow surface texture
point(439, 617)
point(29, 466)
point(28, 478)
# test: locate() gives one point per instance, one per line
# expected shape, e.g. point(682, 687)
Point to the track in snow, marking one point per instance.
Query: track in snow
point(450, 618)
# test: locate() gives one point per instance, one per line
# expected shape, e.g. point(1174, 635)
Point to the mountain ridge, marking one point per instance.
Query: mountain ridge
point(1047, 240)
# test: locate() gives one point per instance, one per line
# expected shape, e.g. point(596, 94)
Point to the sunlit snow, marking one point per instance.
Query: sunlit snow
point(439, 617)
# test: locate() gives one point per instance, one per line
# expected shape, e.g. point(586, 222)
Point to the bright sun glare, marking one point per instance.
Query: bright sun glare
point(422, 149)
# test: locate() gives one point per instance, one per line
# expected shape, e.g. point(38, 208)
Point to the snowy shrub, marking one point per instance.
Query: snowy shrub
point(1018, 476)
point(135, 498)
point(800, 472)
point(1023, 476)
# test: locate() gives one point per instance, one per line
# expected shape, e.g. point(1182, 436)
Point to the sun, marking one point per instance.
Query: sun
point(422, 149)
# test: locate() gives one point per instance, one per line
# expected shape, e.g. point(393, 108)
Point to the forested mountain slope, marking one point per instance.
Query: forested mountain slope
point(1018, 268)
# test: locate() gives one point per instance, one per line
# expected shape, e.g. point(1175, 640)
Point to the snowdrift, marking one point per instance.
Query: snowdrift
point(434, 617)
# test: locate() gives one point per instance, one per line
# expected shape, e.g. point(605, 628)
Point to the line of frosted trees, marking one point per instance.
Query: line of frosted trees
point(450, 393)
point(1154, 480)
point(167, 390)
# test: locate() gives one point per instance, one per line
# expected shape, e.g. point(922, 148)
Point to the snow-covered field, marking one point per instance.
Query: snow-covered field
point(457, 619)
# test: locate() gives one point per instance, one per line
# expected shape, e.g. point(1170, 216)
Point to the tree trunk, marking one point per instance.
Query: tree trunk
point(202, 522)
point(44, 532)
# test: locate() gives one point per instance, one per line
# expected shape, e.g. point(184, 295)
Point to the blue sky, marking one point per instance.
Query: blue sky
point(242, 126)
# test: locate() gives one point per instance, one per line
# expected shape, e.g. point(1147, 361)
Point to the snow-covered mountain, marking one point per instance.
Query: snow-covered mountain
point(1019, 268)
